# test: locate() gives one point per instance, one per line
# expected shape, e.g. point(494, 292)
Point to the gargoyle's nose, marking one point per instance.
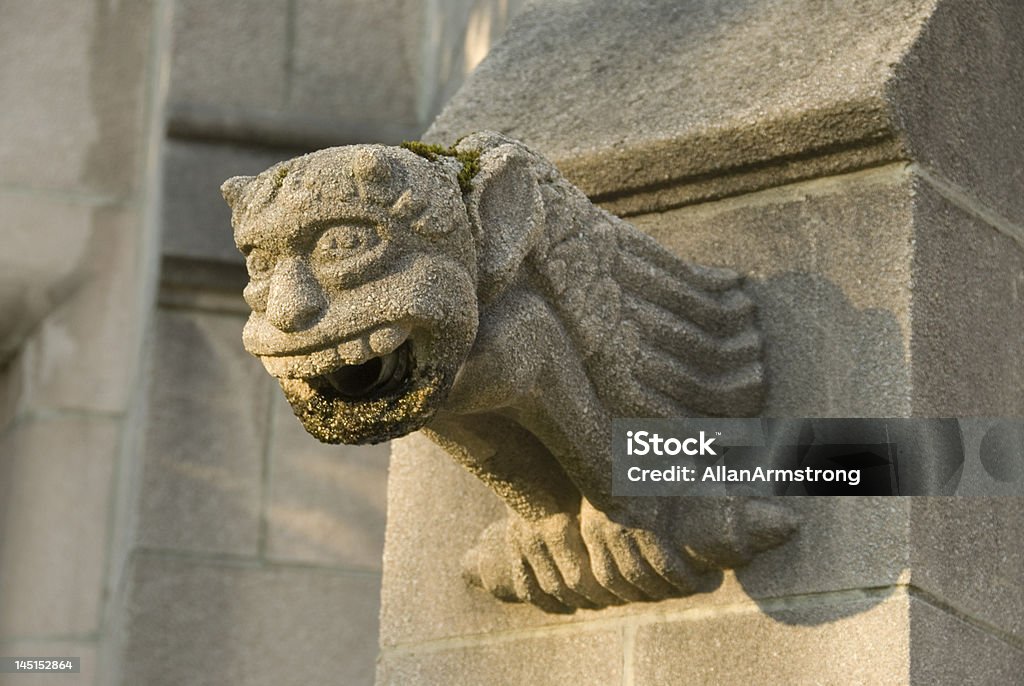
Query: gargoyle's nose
point(296, 300)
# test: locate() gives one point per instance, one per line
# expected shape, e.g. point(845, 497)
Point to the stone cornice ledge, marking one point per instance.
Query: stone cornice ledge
point(697, 101)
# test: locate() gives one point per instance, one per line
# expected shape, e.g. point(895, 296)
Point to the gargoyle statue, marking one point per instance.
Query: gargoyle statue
point(476, 295)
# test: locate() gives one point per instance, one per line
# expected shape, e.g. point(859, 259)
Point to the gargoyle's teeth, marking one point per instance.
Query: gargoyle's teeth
point(373, 378)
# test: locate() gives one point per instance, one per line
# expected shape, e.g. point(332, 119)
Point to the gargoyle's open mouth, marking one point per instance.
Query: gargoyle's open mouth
point(376, 378)
point(379, 398)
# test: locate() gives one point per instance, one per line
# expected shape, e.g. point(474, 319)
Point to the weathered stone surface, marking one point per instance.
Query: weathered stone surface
point(208, 623)
point(968, 333)
point(195, 219)
point(233, 53)
point(82, 649)
point(326, 503)
point(592, 657)
point(360, 62)
point(73, 78)
point(205, 444)
point(965, 552)
point(945, 649)
point(848, 640)
point(728, 89)
point(55, 481)
point(714, 100)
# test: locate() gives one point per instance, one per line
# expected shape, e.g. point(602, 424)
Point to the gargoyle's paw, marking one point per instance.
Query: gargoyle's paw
point(678, 568)
point(544, 563)
point(637, 564)
point(553, 549)
point(528, 590)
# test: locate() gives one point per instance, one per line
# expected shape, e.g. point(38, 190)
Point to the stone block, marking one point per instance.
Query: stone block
point(436, 510)
point(229, 54)
point(205, 441)
point(87, 676)
point(680, 92)
point(196, 220)
point(855, 640)
point(968, 281)
point(360, 62)
point(56, 476)
point(944, 649)
point(958, 95)
point(74, 78)
point(326, 502)
point(829, 263)
point(592, 657)
point(86, 353)
point(966, 553)
point(207, 623)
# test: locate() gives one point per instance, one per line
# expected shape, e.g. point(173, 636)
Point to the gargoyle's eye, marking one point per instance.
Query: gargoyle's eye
point(344, 241)
point(258, 263)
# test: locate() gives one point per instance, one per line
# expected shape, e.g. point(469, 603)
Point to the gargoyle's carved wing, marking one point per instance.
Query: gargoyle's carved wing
point(661, 337)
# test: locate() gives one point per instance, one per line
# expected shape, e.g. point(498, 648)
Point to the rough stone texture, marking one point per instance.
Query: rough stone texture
point(711, 100)
point(73, 75)
point(234, 53)
point(326, 503)
point(829, 263)
point(825, 641)
point(958, 95)
point(968, 291)
point(82, 649)
point(205, 447)
point(847, 543)
point(945, 649)
point(213, 623)
point(966, 554)
point(592, 657)
point(55, 481)
point(727, 89)
point(195, 219)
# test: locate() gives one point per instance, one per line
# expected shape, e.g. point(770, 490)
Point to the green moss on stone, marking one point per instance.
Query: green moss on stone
point(470, 159)
point(279, 177)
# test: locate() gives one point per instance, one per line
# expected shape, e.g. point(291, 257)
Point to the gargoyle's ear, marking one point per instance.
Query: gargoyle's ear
point(232, 189)
point(506, 212)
